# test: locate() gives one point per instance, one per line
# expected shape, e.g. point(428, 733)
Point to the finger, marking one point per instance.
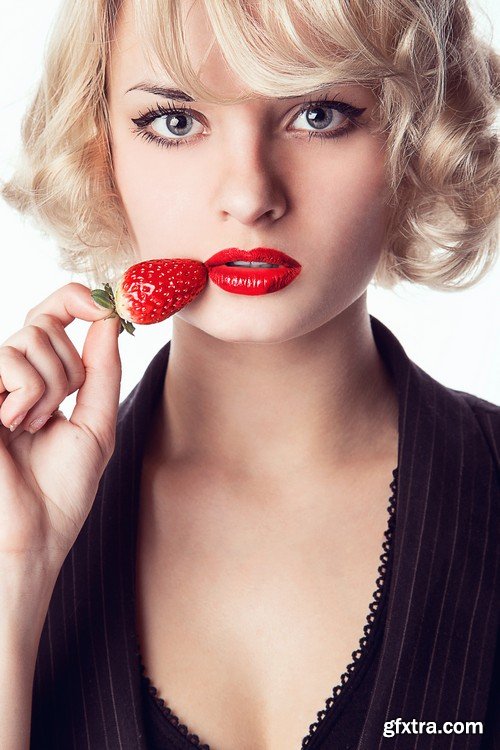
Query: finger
point(64, 348)
point(55, 312)
point(23, 381)
point(67, 303)
point(72, 301)
point(98, 399)
point(40, 353)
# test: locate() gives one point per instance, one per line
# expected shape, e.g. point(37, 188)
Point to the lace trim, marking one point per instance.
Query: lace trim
point(351, 667)
point(168, 713)
point(370, 618)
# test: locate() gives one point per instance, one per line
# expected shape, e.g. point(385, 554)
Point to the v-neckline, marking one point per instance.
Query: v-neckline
point(352, 674)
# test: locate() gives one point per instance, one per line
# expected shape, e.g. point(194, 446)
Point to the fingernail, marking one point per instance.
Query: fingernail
point(38, 423)
point(17, 421)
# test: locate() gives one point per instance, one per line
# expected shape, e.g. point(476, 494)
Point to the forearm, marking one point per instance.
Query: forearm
point(22, 615)
point(17, 669)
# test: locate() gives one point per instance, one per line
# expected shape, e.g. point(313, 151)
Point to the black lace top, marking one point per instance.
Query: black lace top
point(340, 722)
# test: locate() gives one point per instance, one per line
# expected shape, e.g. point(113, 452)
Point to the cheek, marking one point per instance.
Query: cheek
point(347, 202)
point(157, 200)
point(354, 186)
point(346, 217)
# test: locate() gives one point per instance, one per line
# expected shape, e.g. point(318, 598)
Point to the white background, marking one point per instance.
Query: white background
point(454, 336)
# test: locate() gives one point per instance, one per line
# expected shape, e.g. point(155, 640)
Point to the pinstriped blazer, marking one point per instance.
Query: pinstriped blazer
point(437, 658)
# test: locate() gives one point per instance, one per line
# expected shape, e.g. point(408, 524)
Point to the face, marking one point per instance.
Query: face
point(295, 174)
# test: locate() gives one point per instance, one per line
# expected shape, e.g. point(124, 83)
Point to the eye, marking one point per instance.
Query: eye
point(328, 116)
point(175, 124)
point(167, 125)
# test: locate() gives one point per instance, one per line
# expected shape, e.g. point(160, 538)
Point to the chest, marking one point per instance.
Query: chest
point(248, 613)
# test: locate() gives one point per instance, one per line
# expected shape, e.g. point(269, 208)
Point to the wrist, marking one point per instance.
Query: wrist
point(25, 593)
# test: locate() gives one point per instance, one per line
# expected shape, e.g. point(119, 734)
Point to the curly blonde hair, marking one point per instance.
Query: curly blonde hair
point(437, 87)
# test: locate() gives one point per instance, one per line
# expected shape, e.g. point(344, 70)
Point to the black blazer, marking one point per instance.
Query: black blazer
point(438, 650)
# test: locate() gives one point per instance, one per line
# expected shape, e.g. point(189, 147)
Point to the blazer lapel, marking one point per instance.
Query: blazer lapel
point(436, 657)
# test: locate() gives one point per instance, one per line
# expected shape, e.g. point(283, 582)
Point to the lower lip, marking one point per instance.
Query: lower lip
point(241, 280)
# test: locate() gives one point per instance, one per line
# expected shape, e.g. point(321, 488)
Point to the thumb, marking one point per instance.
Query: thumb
point(98, 399)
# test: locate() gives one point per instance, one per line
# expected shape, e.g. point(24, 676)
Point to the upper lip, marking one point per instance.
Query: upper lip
point(262, 254)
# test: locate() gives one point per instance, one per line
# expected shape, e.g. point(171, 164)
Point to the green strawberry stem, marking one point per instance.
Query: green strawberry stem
point(106, 299)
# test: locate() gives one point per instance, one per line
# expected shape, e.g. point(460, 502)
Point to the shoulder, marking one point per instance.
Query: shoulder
point(478, 404)
point(487, 416)
point(467, 424)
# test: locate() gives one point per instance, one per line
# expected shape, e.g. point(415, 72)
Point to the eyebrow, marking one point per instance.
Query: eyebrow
point(150, 88)
point(179, 95)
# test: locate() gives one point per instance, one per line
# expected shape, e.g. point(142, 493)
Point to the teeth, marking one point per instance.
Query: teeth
point(252, 264)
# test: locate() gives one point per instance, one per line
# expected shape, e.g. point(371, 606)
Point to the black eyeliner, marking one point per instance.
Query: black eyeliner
point(151, 114)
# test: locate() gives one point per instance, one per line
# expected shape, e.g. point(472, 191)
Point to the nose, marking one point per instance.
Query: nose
point(249, 189)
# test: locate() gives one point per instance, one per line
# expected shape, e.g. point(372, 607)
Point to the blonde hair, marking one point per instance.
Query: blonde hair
point(437, 86)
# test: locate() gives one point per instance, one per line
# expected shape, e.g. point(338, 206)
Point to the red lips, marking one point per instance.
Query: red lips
point(263, 254)
point(252, 281)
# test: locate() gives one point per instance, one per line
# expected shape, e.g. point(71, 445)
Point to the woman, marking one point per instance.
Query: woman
point(292, 503)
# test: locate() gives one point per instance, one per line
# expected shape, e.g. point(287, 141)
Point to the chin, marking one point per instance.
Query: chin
point(245, 332)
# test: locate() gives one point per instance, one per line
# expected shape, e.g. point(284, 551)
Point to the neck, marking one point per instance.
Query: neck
point(324, 399)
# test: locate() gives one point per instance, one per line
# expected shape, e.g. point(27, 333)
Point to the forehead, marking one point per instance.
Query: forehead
point(297, 55)
point(130, 61)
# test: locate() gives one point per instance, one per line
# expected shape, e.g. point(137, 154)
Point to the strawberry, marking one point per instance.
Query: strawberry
point(152, 290)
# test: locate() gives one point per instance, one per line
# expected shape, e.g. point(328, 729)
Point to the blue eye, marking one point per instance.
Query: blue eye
point(322, 114)
point(316, 117)
point(175, 124)
point(172, 125)
point(167, 123)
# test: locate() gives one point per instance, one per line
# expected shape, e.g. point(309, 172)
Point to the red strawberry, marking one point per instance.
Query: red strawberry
point(153, 290)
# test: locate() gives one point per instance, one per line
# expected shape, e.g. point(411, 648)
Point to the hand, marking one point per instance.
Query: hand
point(49, 478)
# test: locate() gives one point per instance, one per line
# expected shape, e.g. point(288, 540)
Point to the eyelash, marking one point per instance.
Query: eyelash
point(145, 118)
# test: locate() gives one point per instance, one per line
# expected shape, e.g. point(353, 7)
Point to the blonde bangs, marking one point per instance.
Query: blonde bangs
point(436, 84)
point(286, 50)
